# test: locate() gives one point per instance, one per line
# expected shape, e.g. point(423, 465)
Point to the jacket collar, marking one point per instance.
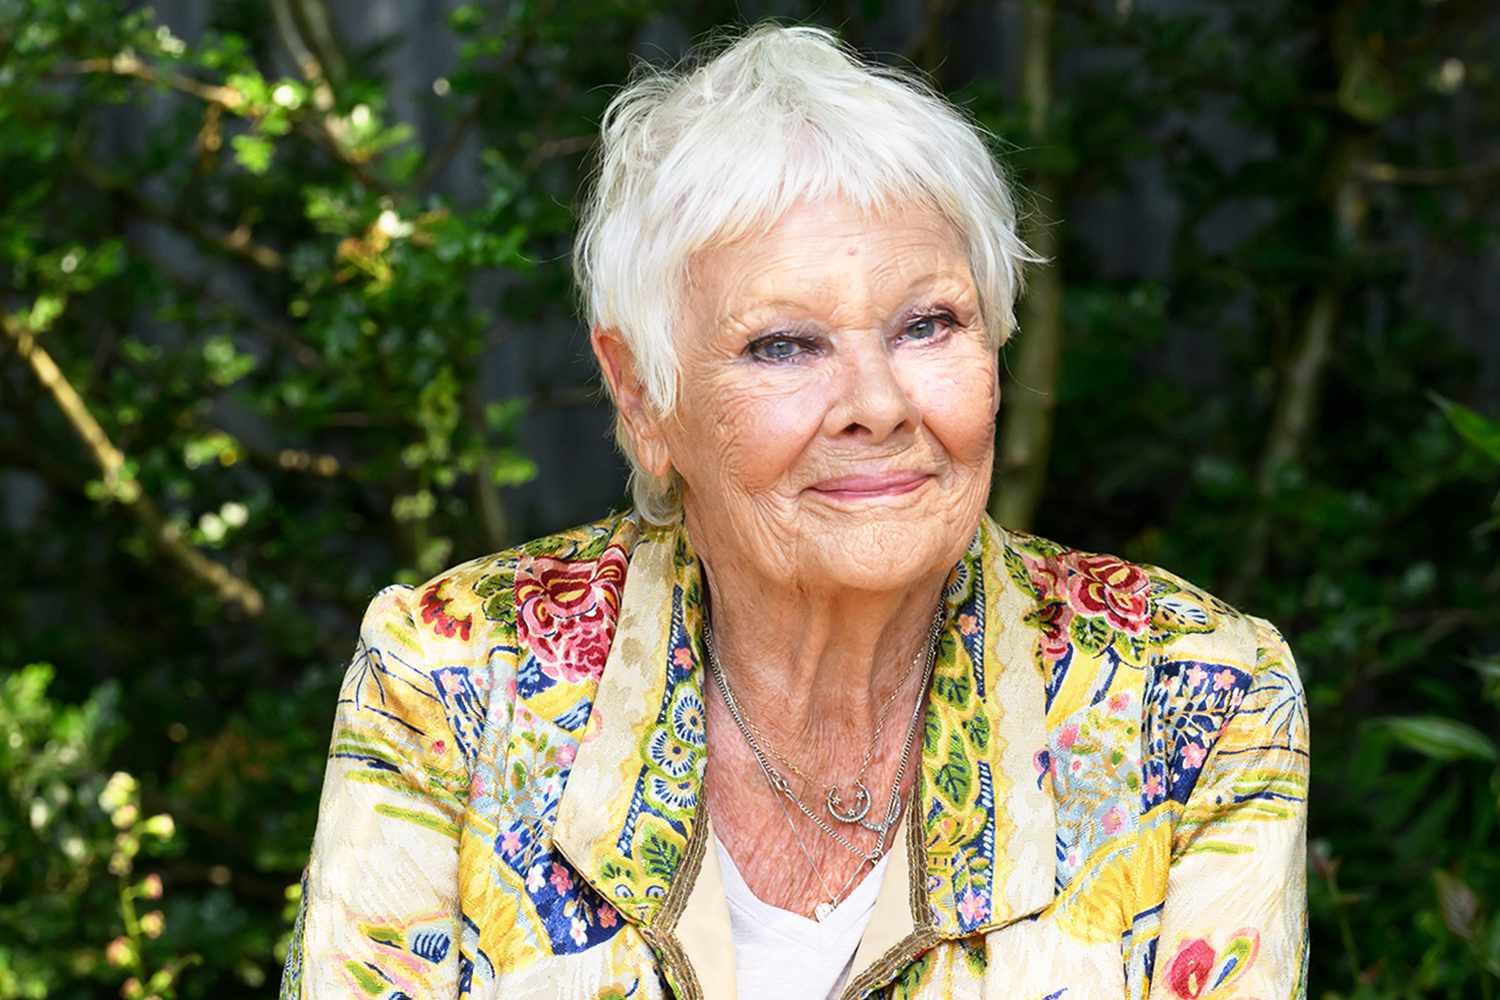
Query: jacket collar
point(980, 846)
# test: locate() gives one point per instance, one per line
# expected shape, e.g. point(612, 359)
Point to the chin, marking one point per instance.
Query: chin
point(887, 552)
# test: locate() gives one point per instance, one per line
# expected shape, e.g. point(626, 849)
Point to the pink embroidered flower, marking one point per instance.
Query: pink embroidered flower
point(560, 879)
point(578, 931)
point(453, 683)
point(1046, 577)
point(968, 624)
point(1119, 700)
point(683, 658)
point(1193, 755)
point(510, 843)
point(1223, 680)
point(438, 746)
point(1188, 973)
point(1195, 676)
point(1113, 820)
point(536, 878)
point(1111, 587)
point(566, 611)
point(1068, 737)
point(566, 753)
point(1077, 765)
point(607, 916)
point(973, 908)
point(1153, 786)
point(593, 727)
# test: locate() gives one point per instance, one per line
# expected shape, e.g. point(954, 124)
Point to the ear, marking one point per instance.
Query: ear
point(641, 424)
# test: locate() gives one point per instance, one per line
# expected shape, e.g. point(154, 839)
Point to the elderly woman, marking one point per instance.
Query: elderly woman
point(805, 723)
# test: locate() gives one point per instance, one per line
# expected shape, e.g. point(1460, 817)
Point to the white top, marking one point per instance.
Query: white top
point(781, 955)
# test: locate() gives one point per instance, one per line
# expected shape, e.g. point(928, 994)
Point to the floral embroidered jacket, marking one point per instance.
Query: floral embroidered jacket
point(1111, 800)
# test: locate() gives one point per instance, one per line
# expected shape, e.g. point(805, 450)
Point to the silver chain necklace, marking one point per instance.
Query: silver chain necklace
point(782, 787)
point(860, 799)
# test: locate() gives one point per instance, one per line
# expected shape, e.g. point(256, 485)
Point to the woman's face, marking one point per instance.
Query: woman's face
point(836, 415)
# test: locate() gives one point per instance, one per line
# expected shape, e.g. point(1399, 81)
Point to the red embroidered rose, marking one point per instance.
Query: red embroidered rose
point(1055, 619)
point(566, 612)
point(1104, 585)
point(1190, 967)
point(435, 613)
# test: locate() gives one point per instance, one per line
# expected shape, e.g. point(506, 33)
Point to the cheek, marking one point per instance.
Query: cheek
point(758, 432)
point(958, 406)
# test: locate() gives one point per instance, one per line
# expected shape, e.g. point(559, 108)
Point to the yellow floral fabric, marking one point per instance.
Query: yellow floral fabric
point(1111, 800)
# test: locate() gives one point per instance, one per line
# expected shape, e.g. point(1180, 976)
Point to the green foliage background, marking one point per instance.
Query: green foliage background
point(255, 321)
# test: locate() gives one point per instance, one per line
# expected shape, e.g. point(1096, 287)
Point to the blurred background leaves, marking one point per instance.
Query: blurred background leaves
point(287, 317)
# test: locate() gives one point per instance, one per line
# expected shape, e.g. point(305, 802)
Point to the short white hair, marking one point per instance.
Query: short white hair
point(722, 146)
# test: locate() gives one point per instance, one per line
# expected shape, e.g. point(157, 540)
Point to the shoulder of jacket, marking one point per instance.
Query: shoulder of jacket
point(1184, 620)
point(475, 599)
point(455, 636)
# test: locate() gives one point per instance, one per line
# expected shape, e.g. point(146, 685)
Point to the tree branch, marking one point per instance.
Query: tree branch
point(228, 587)
point(565, 145)
point(1301, 374)
point(307, 63)
point(1025, 438)
point(237, 242)
point(320, 62)
point(316, 23)
point(1389, 173)
point(129, 65)
point(924, 48)
point(231, 100)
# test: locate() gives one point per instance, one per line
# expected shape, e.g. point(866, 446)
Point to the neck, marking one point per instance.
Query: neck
point(812, 668)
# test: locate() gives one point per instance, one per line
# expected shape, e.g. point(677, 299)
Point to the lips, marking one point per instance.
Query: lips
point(882, 484)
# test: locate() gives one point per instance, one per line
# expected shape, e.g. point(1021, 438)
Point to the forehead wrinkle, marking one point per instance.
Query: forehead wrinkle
point(774, 289)
point(758, 275)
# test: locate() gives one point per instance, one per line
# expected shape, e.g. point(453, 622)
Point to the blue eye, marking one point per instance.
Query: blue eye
point(927, 327)
point(775, 348)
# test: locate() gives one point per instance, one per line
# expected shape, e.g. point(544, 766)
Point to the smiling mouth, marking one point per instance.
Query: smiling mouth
point(890, 484)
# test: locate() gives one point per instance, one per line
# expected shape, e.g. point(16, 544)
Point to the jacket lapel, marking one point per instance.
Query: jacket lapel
point(628, 811)
point(988, 819)
point(979, 844)
point(629, 818)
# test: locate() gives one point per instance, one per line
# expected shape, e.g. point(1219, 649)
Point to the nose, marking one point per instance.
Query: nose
point(873, 403)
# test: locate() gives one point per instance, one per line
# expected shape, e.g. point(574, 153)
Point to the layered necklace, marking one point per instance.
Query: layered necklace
point(849, 803)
